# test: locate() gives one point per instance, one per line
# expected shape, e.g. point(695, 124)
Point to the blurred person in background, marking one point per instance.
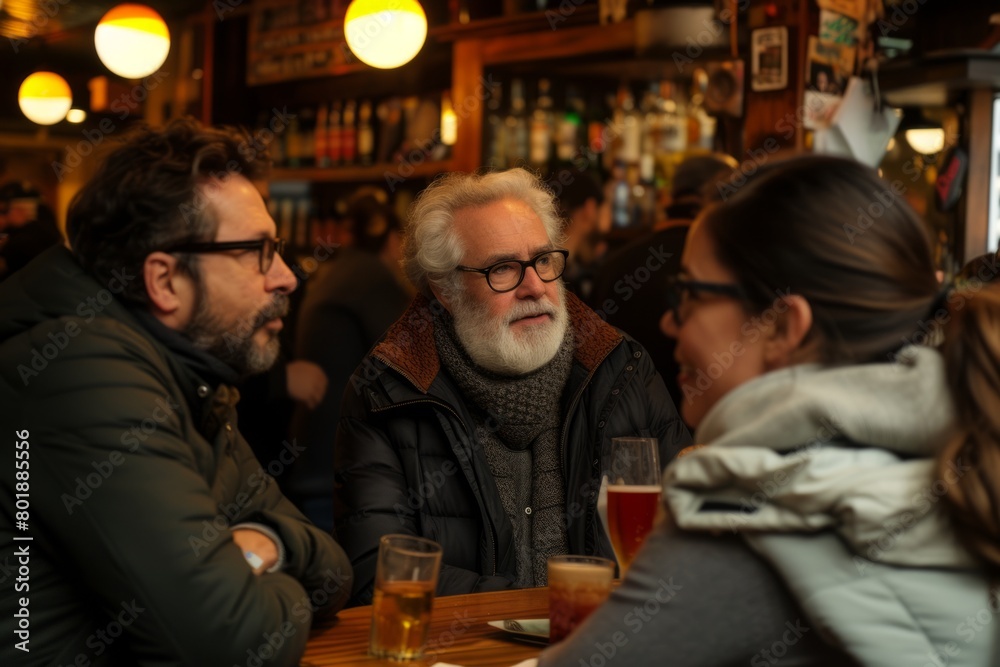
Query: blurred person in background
point(580, 197)
point(841, 506)
point(628, 289)
point(148, 509)
point(29, 224)
point(481, 418)
point(349, 303)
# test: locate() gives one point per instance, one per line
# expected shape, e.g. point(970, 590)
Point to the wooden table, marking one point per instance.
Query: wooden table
point(459, 633)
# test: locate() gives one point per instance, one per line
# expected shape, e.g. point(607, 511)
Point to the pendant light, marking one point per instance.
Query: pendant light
point(132, 41)
point(385, 33)
point(924, 136)
point(45, 98)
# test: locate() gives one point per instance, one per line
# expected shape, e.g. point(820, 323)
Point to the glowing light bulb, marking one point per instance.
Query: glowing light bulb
point(45, 98)
point(132, 41)
point(385, 33)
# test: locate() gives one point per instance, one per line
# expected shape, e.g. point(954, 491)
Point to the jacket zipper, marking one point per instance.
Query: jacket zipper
point(576, 399)
point(565, 428)
point(434, 401)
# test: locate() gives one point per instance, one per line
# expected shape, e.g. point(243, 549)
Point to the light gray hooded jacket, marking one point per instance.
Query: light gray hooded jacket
point(828, 473)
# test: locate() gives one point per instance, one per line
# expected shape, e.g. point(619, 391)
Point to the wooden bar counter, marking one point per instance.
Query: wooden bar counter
point(459, 634)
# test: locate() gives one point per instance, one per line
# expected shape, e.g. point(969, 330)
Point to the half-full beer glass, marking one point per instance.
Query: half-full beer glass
point(405, 578)
point(633, 495)
point(577, 586)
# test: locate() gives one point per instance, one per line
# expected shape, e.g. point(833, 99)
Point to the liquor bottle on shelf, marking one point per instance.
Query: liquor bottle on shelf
point(597, 134)
point(293, 143)
point(366, 134)
point(621, 198)
point(496, 140)
point(673, 121)
point(644, 192)
point(569, 128)
point(301, 227)
point(335, 136)
point(542, 125)
point(322, 150)
point(286, 214)
point(390, 135)
point(651, 131)
point(516, 123)
point(706, 128)
point(631, 124)
point(348, 134)
point(307, 127)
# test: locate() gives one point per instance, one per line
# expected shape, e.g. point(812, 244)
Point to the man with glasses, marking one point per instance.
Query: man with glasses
point(482, 417)
point(142, 509)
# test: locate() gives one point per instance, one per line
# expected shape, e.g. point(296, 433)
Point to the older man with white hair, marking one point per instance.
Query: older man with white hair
point(481, 418)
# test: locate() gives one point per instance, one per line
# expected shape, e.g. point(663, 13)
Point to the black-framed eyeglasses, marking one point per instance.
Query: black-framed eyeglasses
point(508, 274)
point(679, 291)
point(267, 248)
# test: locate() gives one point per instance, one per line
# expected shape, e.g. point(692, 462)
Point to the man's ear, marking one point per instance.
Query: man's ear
point(441, 296)
point(169, 290)
point(783, 345)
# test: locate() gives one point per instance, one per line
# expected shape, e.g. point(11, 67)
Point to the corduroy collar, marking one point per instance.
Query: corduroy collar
point(408, 345)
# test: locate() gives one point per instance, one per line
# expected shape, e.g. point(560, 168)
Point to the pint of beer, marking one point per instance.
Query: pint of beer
point(405, 579)
point(633, 495)
point(631, 513)
point(577, 586)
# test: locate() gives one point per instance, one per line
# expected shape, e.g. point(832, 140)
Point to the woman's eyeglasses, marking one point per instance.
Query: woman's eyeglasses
point(680, 292)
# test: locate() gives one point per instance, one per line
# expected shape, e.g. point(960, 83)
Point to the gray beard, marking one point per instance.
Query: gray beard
point(491, 344)
point(233, 343)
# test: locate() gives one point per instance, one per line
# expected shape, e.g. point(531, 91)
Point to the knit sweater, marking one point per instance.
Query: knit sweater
point(517, 422)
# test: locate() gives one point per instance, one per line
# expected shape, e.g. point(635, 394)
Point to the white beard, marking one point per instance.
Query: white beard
point(493, 345)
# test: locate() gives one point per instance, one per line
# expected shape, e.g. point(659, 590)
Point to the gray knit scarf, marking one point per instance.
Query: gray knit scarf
point(517, 423)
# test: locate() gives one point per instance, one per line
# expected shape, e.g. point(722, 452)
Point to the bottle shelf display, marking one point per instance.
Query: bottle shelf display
point(390, 139)
point(294, 40)
point(633, 146)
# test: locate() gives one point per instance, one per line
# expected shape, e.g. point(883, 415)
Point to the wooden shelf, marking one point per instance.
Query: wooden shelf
point(527, 22)
point(304, 27)
point(357, 174)
point(938, 78)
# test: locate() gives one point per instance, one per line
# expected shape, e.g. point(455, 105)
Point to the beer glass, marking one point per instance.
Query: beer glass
point(405, 578)
point(633, 495)
point(577, 586)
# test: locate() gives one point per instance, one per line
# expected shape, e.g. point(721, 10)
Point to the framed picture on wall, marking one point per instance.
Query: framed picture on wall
point(769, 59)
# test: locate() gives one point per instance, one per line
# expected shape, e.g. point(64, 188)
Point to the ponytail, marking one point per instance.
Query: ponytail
point(972, 457)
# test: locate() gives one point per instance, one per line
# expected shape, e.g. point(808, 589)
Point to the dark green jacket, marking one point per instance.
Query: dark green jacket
point(135, 472)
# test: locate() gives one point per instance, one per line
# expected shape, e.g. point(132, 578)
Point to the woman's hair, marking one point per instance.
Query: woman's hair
point(982, 269)
point(832, 231)
point(432, 250)
point(145, 197)
point(970, 462)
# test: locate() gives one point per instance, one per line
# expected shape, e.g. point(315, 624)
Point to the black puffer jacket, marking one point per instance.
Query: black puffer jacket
point(407, 459)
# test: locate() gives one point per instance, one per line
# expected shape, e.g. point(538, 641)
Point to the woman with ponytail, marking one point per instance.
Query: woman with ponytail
point(842, 505)
point(972, 356)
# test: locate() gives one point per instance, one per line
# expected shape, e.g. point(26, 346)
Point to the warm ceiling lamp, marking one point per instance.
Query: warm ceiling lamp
point(132, 41)
point(44, 97)
point(385, 33)
point(926, 140)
